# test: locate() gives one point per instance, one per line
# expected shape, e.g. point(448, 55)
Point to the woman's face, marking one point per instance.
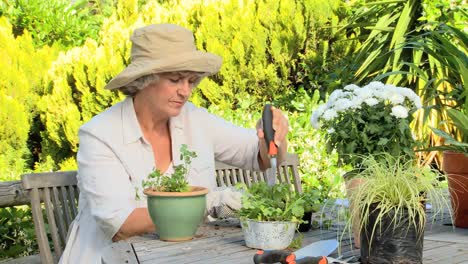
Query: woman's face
point(168, 95)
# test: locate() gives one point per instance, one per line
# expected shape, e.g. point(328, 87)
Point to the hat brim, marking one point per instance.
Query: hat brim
point(197, 61)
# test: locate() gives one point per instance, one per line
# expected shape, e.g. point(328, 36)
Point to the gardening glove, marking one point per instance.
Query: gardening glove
point(223, 202)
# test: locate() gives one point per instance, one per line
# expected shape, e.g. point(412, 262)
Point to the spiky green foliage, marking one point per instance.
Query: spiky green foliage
point(396, 189)
point(408, 43)
point(460, 122)
point(440, 74)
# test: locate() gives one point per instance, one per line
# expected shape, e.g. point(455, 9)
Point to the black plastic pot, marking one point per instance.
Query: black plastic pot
point(304, 227)
point(390, 243)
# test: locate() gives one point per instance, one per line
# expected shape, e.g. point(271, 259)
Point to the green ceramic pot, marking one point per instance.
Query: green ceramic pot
point(177, 215)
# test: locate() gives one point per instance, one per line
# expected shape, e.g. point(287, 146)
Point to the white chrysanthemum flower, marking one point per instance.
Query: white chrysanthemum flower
point(331, 130)
point(364, 93)
point(375, 85)
point(417, 102)
point(396, 98)
point(389, 86)
point(314, 119)
point(333, 97)
point(378, 94)
point(329, 114)
point(356, 102)
point(351, 87)
point(342, 104)
point(371, 101)
point(406, 92)
point(387, 94)
point(399, 111)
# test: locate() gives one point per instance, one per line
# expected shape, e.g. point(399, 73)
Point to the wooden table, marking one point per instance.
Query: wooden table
point(223, 242)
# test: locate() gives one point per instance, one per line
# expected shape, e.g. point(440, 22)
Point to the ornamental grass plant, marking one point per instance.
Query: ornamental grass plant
point(368, 120)
point(397, 189)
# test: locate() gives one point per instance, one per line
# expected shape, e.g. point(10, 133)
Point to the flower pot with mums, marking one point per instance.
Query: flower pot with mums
point(362, 121)
point(176, 208)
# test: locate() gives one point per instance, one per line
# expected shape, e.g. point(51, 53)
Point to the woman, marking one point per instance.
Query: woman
point(121, 145)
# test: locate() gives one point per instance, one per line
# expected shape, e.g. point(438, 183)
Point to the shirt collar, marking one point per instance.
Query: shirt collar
point(130, 126)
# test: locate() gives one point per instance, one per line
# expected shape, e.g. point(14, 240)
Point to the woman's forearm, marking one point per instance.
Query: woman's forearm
point(138, 222)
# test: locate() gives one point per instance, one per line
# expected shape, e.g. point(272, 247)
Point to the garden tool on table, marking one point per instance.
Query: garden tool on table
point(269, 134)
point(315, 253)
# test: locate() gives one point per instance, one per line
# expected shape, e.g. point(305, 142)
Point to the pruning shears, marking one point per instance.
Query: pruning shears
point(315, 253)
point(269, 133)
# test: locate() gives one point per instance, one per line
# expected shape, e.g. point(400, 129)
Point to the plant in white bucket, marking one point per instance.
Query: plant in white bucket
point(269, 215)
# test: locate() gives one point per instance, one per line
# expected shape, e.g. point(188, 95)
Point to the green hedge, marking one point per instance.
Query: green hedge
point(23, 67)
point(262, 44)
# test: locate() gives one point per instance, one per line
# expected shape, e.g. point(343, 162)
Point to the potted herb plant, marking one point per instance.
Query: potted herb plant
point(391, 204)
point(455, 165)
point(176, 208)
point(269, 215)
point(362, 121)
point(312, 202)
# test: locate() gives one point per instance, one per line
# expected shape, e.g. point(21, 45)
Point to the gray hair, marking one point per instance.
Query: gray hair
point(135, 86)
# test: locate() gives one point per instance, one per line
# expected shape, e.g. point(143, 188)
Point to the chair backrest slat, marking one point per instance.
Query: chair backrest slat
point(50, 208)
point(59, 214)
point(287, 172)
point(64, 203)
point(284, 173)
point(58, 191)
point(71, 201)
point(39, 227)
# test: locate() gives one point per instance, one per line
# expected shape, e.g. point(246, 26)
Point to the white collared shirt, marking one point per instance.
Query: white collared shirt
point(113, 158)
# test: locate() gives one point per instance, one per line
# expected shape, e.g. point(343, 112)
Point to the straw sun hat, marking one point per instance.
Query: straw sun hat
point(164, 48)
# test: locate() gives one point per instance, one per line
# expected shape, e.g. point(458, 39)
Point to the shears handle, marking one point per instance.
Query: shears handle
point(274, 256)
point(267, 120)
point(311, 260)
point(285, 257)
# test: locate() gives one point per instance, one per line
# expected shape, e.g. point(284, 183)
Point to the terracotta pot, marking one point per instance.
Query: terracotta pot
point(455, 166)
point(177, 215)
point(351, 185)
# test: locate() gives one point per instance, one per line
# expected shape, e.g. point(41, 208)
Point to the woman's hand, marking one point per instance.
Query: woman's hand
point(281, 128)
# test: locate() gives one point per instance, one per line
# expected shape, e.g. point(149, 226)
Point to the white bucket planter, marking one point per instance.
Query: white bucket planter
point(268, 235)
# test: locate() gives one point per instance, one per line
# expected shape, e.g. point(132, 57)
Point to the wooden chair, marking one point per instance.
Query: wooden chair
point(59, 193)
point(227, 175)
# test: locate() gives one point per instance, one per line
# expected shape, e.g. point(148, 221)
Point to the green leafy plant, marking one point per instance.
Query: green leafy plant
point(17, 236)
point(271, 203)
point(460, 121)
point(65, 22)
point(369, 120)
point(312, 199)
point(401, 196)
point(177, 182)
